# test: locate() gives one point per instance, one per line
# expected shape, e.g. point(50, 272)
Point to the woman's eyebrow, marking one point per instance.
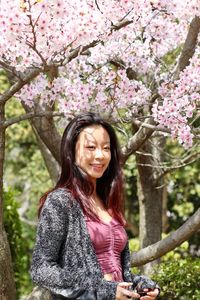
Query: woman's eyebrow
point(94, 141)
point(90, 138)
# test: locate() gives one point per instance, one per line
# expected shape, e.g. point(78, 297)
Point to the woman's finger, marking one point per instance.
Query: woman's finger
point(130, 294)
point(123, 293)
point(151, 295)
point(125, 284)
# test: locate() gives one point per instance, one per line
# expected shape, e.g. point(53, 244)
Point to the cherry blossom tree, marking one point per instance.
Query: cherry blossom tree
point(82, 39)
point(111, 57)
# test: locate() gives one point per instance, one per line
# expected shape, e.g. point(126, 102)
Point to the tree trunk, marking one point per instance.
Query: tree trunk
point(52, 165)
point(7, 286)
point(150, 194)
point(46, 129)
point(165, 219)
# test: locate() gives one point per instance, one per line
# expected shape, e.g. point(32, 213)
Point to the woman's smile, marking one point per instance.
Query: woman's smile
point(97, 167)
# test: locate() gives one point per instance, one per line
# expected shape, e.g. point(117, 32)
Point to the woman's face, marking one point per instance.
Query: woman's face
point(92, 153)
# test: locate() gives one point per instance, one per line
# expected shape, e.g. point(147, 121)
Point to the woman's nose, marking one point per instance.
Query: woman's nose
point(99, 153)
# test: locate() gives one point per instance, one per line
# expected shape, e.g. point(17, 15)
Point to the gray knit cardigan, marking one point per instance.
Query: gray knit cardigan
point(64, 260)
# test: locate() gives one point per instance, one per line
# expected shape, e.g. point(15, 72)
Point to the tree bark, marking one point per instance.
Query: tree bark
point(189, 46)
point(165, 219)
point(51, 164)
point(150, 195)
point(137, 140)
point(16, 86)
point(7, 285)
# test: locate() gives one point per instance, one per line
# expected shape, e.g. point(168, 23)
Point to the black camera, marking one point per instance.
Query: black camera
point(145, 284)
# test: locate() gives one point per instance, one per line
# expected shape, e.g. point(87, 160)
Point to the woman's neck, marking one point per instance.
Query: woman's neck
point(95, 197)
point(94, 182)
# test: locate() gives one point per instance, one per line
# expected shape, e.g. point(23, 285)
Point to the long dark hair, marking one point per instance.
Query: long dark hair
point(109, 187)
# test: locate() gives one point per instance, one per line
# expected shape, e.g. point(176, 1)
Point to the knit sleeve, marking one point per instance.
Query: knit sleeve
point(51, 232)
point(128, 276)
point(45, 269)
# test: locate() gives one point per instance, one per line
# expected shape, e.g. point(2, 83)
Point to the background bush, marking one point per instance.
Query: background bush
point(18, 244)
point(179, 279)
point(177, 274)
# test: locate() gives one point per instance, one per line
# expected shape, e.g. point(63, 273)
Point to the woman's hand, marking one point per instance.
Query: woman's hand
point(123, 293)
point(150, 295)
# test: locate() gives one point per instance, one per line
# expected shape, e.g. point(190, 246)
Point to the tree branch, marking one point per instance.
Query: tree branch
point(189, 159)
point(120, 25)
point(7, 67)
point(81, 49)
point(29, 116)
point(175, 164)
point(46, 128)
point(36, 71)
point(174, 240)
point(137, 140)
point(150, 126)
point(49, 160)
point(189, 46)
point(18, 85)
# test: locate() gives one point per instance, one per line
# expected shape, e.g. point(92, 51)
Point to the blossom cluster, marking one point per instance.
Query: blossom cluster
point(107, 90)
point(181, 99)
point(115, 36)
point(36, 31)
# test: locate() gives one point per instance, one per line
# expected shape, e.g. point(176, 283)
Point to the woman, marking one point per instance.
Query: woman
point(81, 250)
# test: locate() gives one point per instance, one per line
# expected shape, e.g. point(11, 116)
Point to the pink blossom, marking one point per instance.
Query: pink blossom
point(43, 33)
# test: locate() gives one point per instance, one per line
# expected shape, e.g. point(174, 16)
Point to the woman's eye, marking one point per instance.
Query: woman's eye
point(107, 148)
point(90, 147)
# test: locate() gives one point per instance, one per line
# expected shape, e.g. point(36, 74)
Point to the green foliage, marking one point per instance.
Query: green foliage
point(183, 198)
point(179, 279)
point(183, 189)
point(3, 82)
point(24, 159)
point(25, 171)
point(134, 246)
point(178, 253)
point(171, 57)
point(18, 244)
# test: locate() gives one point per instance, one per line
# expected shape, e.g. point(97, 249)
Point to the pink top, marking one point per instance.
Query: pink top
point(109, 240)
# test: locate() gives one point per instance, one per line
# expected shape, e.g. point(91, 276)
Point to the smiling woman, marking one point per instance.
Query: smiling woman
point(81, 250)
